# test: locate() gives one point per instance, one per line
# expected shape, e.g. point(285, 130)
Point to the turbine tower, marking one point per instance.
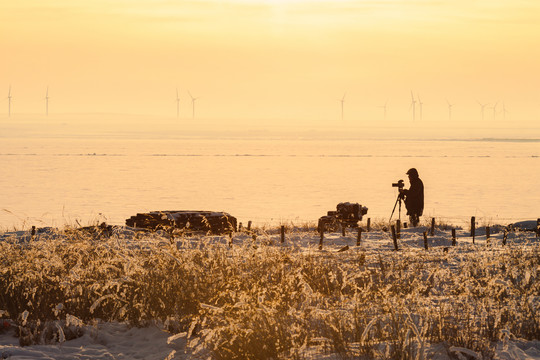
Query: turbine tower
point(342, 102)
point(413, 106)
point(193, 103)
point(9, 101)
point(47, 102)
point(483, 106)
point(449, 110)
point(177, 104)
point(494, 107)
point(504, 112)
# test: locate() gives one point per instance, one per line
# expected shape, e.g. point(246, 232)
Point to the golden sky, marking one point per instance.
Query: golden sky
point(274, 60)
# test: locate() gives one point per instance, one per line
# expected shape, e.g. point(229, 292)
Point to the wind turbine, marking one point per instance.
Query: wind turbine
point(504, 112)
point(494, 107)
point(449, 110)
point(420, 103)
point(413, 106)
point(47, 102)
point(193, 103)
point(9, 101)
point(177, 104)
point(342, 101)
point(483, 106)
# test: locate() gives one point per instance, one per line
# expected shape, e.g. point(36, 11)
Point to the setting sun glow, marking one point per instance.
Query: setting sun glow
point(273, 59)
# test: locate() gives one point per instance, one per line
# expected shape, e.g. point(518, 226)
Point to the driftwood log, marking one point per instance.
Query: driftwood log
point(208, 221)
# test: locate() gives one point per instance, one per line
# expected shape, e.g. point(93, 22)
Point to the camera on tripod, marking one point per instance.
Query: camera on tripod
point(400, 184)
point(401, 196)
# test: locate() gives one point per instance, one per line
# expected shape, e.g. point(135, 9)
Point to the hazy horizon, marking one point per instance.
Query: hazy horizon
point(167, 127)
point(274, 60)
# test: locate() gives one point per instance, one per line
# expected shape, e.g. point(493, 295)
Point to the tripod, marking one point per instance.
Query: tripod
point(398, 200)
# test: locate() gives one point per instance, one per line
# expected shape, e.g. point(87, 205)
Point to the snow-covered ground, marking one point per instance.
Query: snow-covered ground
point(118, 341)
point(106, 340)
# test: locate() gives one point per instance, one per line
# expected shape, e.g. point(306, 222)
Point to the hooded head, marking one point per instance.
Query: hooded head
point(412, 172)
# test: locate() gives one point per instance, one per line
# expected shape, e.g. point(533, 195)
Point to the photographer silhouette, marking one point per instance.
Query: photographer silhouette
point(414, 197)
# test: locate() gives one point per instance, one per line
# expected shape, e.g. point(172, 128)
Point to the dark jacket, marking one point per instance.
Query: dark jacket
point(414, 197)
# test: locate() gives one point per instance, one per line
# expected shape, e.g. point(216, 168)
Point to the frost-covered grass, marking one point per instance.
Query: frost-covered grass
point(257, 299)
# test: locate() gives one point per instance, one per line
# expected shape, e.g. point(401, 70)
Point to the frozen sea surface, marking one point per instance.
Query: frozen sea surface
point(52, 180)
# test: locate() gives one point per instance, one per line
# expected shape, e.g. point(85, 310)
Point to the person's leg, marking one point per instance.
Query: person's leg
point(414, 220)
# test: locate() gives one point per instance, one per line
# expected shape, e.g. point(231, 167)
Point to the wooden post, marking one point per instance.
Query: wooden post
point(425, 240)
point(505, 236)
point(405, 226)
point(282, 234)
point(488, 234)
point(394, 237)
point(368, 226)
point(432, 226)
point(321, 240)
point(249, 226)
point(359, 237)
point(398, 229)
point(343, 229)
point(453, 237)
point(239, 227)
point(473, 228)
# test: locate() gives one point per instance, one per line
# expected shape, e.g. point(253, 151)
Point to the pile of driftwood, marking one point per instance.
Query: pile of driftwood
point(208, 221)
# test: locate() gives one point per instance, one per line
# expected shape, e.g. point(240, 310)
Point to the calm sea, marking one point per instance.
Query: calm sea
point(51, 181)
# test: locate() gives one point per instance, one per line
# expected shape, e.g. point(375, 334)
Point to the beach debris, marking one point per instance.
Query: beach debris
point(208, 221)
point(346, 215)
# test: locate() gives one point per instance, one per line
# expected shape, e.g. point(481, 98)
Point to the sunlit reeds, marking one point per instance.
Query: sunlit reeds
point(259, 299)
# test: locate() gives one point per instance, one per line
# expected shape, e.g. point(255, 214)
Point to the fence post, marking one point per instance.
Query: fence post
point(425, 240)
point(394, 237)
point(432, 226)
point(505, 236)
point(453, 237)
point(249, 226)
point(282, 234)
point(405, 226)
point(473, 228)
point(321, 240)
point(343, 229)
point(359, 237)
point(368, 226)
point(398, 229)
point(239, 227)
point(488, 234)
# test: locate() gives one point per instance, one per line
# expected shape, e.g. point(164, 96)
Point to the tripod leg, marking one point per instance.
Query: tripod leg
point(397, 200)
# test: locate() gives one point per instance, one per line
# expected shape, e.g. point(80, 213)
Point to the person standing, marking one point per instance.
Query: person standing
point(414, 197)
